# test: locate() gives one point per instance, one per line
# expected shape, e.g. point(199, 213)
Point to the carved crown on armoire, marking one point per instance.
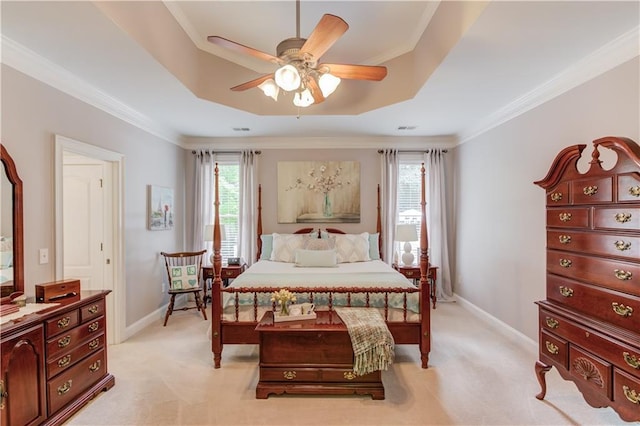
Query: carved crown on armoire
point(590, 320)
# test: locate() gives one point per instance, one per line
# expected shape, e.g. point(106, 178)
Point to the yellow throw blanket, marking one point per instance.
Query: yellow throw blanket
point(373, 345)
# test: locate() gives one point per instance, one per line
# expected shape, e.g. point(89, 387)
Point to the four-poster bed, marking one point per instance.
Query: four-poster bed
point(236, 310)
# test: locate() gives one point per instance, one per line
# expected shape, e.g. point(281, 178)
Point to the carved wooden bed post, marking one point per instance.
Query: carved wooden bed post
point(425, 309)
point(216, 293)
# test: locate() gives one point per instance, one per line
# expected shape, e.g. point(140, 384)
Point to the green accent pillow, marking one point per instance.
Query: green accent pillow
point(184, 277)
point(267, 246)
point(374, 251)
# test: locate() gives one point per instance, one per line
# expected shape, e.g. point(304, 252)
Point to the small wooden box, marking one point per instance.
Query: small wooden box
point(58, 291)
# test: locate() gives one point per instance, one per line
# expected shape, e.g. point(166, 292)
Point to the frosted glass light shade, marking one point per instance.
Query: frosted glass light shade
point(328, 84)
point(270, 88)
point(288, 78)
point(303, 99)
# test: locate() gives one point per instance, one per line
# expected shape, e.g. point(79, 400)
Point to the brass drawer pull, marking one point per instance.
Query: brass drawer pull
point(95, 366)
point(64, 361)
point(623, 217)
point(552, 323)
point(566, 291)
point(551, 348)
point(634, 191)
point(631, 360)
point(631, 394)
point(3, 395)
point(565, 263)
point(349, 375)
point(622, 310)
point(556, 196)
point(622, 275)
point(64, 341)
point(289, 375)
point(564, 239)
point(94, 343)
point(94, 326)
point(590, 190)
point(622, 246)
point(64, 322)
point(94, 309)
point(565, 217)
point(65, 387)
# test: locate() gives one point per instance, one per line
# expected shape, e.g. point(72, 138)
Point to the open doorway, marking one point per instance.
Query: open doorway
point(89, 238)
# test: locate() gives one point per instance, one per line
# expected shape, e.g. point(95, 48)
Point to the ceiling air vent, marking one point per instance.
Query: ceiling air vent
point(241, 129)
point(406, 127)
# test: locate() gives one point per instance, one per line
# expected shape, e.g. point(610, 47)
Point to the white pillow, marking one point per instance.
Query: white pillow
point(316, 258)
point(285, 246)
point(314, 243)
point(353, 247)
point(184, 277)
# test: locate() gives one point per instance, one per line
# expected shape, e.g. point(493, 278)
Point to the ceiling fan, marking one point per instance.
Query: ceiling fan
point(299, 70)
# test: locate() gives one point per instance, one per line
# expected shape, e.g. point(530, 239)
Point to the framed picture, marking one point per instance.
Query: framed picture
point(160, 208)
point(319, 192)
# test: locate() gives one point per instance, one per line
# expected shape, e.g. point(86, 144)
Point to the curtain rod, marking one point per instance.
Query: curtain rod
point(206, 151)
point(380, 151)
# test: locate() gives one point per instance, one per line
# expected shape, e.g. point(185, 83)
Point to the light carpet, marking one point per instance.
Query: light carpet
point(477, 376)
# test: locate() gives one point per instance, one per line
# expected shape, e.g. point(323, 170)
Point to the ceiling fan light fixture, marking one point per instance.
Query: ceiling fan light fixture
point(270, 88)
point(303, 99)
point(288, 77)
point(328, 83)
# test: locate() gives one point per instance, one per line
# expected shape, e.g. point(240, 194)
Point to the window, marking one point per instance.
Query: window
point(229, 188)
point(409, 197)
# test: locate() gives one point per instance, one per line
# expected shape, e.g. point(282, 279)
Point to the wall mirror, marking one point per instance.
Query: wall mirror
point(11, 229)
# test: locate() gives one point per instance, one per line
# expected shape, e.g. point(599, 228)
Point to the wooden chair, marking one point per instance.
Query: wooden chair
point(183, 272)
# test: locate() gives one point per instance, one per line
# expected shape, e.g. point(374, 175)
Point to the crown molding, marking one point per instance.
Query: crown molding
point(30, 63)
point(405, 143)
point(609, 56)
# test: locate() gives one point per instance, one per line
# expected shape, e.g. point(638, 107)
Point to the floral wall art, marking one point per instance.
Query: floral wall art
point(318, 192)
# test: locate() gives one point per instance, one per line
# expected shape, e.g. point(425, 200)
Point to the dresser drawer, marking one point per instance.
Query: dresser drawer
point(623, 356)
point(617, 275)
point(626, 390)
point(70, 340)
point(590, 370)
point(592, 191)
point(275, 374)
point(629, 187)
point(623, 246)
point(66, 386)
point(553, 349)
point(92, 310)
point(67, 359)
point(346, 375)
point(620, 217)
point(559, 196)
point(568, 217)
point(62, 323)
point(617, 308)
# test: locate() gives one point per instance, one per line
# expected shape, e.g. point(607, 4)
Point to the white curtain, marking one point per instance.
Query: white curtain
point(389, 200)
point(247, 236)
point(203, 199)
point(437, 221)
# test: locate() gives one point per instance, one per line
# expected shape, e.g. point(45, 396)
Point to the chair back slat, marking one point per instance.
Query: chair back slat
point(183, 259)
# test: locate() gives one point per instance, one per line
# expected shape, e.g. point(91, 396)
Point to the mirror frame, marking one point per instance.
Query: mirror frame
point(18, 241)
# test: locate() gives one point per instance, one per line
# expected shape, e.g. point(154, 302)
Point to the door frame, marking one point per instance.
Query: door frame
point(64, 144)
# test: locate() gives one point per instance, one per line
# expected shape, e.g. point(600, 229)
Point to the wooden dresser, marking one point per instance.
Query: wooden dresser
point(54, 361)
point(312, 357)
point(590, 320)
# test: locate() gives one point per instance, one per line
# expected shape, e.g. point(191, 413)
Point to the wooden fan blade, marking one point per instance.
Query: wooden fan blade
point(237, 47)
point(251, 84)
point(328, 31)
point(315, 91)
point(356, 72)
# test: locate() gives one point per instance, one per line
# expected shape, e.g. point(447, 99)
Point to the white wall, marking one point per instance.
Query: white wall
point(500, 215)
point(32, 113)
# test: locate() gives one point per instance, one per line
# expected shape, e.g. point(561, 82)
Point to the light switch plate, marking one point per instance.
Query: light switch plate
point(44, 256)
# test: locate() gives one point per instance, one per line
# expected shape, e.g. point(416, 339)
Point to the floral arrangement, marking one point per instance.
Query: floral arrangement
point(321, 182)
point(283, 297)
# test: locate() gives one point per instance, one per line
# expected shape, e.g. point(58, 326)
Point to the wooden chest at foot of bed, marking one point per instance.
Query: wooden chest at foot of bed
point(312, 357)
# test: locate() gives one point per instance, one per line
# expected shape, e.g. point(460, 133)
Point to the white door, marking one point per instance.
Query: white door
point(86, 224)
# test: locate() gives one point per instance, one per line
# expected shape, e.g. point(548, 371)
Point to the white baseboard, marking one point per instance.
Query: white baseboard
point(152, 318)
point(502, 327)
